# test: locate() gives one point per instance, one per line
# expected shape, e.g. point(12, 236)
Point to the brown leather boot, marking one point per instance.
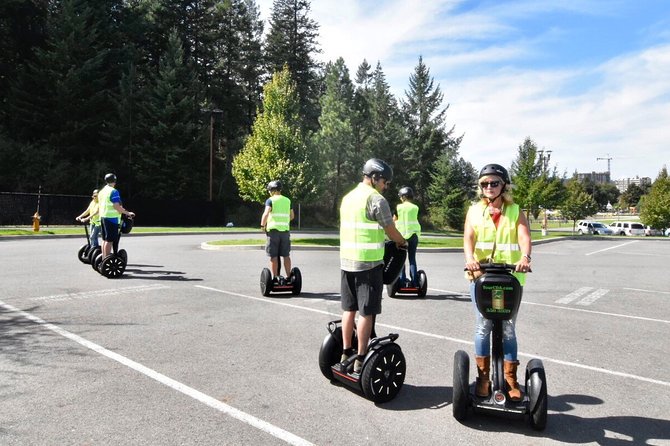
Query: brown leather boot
point(514, 391)
point(483, 386)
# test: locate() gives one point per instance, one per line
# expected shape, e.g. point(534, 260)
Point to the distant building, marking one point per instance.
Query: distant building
point(623, 183)
point(595, 177)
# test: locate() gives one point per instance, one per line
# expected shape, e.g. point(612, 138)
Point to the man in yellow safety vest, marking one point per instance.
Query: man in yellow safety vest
point(407, 222)
point(365, 216)
point(275, 221)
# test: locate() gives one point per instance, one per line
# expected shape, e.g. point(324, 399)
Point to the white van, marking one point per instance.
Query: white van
point(627, 228)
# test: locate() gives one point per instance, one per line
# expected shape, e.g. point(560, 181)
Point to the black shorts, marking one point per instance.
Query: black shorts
point(278, 243)
point(362, 291)
point(110, 229)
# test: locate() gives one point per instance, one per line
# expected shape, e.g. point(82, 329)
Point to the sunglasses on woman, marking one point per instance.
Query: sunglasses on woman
point(485, 184)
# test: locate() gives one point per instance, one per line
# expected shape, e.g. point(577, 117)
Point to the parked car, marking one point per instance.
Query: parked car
point(649, 231)
point(593, 228)
point(627, 228)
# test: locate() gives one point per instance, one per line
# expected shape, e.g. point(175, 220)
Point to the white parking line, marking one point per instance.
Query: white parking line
point(597, 294)
point(176, 385)
point(447, 338)
point(611, 247)
point(99, 293)
point(574, 295)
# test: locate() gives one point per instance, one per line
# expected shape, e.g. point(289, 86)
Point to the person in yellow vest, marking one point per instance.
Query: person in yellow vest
point(111, 210)
point(275, 221)
point(496, 229)
point(92, 214)
point(365, 216)
point(407, 222)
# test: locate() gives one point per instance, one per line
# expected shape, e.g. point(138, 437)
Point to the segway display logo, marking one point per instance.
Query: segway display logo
point(497, 298)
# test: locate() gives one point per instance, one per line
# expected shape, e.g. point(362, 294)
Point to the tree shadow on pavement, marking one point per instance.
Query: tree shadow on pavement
point(153, 272)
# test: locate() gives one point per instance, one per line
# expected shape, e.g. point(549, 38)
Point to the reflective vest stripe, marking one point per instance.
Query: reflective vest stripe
point(501, 246)
point(359, 225)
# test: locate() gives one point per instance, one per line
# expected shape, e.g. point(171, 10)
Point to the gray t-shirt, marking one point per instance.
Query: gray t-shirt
point(378, 210)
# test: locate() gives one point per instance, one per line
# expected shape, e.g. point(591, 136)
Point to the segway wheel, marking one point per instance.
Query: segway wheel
point(384, 373)
point(392, 288)
point(82, 254)
point(536, 387)
point(461, 396)
point(297, 281)
point(124, 255)
point(423, 283)
point(96, 260)
point(266, 282)
point(330, 353)
point(112, 267)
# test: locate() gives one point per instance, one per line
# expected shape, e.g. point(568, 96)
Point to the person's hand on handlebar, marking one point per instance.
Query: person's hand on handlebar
point(523, 265)
point(471, 264)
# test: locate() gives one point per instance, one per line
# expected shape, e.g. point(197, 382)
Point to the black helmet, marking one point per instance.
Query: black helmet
point(495, 169)
point(375, 166)
point(274, 185)
point(110, 178)
point(406, 191)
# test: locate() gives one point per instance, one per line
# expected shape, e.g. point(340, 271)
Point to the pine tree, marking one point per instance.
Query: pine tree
point(452, 187)
point(335, 142)
point(292, 41)
point(172, 150)
point(424, 119)
point(60, 103)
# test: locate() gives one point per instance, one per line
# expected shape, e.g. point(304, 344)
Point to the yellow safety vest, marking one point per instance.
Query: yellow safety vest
point(280, 217)
point(408, 219)
point(361, 239)
point(503, 238)
point(106, 207)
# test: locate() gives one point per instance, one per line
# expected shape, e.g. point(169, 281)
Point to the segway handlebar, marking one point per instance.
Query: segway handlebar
point(509, 267)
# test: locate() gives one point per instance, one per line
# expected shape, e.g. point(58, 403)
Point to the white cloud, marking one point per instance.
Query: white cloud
point(618, 108)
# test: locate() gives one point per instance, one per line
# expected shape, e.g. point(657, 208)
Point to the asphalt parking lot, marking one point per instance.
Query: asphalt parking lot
point(184, 349)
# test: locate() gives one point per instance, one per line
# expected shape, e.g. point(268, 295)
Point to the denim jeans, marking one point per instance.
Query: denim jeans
point(95, 232)
point(412, 244)
point(483, 333)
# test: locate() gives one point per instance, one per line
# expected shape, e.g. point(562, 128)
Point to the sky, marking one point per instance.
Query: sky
point(584, 79)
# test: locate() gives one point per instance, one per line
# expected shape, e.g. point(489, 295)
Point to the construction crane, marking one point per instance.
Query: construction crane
point(608, 159)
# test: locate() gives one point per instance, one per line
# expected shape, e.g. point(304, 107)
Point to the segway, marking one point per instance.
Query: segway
point(406, 287)
point(498, 296)
point(114, 265)
point(87, 252)
point(384, 367)
point(291, 284)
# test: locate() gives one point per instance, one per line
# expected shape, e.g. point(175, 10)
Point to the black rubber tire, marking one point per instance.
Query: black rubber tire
point(297, 281)
point(330, 353)
point(266, 282)
point(461, 394)
point(112, 267)
point(96, 260)
point(124, 255)
point(392, 288)
point(82, 254)
point(498, 378)
point(384, 373)
point(536, 387)
point(423, 283)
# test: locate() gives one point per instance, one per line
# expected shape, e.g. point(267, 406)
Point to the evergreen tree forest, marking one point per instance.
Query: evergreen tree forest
point(163, 92)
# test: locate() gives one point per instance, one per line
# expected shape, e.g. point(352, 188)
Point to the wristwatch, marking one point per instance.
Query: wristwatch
point(527, 256)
